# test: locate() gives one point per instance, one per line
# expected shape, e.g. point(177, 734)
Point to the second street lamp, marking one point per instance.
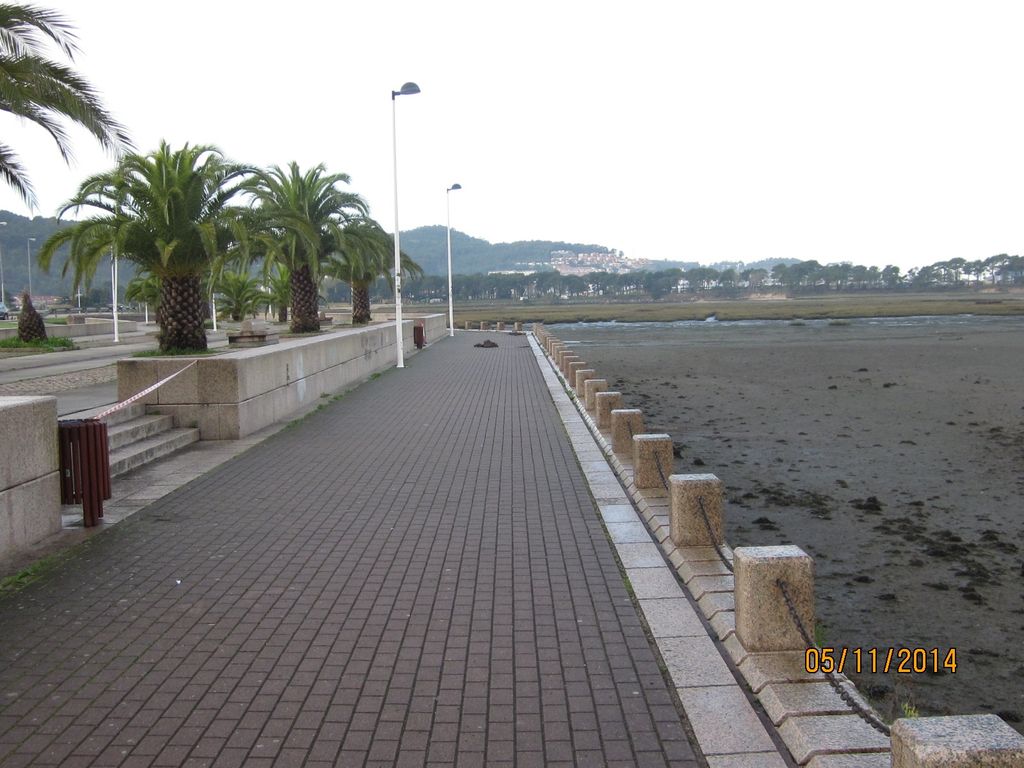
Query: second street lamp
point(408, 89)
point(451, 306)
point(28, 250)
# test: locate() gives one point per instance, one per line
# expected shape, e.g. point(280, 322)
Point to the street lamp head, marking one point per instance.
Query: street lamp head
point(453, 187)
point(407, 90)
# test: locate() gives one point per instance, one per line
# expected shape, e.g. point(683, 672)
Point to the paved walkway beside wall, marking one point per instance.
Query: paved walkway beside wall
point(415, 575)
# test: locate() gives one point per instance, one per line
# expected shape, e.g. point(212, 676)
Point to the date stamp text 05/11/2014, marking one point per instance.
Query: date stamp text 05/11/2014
point(900, 660)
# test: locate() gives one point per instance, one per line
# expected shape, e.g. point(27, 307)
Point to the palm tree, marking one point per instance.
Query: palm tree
point(144, 289)
point(42, 91)
point(240, 294)
point(364, 253)
point(304, 214)
point(168, 213)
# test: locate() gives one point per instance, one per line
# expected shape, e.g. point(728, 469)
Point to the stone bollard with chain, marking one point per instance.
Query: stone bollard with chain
point(972, 741)
point(652, 461)
point(606, 402)
point(590, 390)
point(695, 517)
point(774, 597)
point(626, 422)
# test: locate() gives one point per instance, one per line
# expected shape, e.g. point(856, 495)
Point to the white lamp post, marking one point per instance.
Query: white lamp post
point(408, 89)
point(3, 292)
point(28, 250)
point(113, 290)
point(451, 306)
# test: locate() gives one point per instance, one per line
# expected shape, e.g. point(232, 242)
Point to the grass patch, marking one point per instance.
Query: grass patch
point(55, 321)
point(51, 344)
point(26, 576)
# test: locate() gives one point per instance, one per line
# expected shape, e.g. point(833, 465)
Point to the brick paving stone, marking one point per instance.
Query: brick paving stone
point(414, 575)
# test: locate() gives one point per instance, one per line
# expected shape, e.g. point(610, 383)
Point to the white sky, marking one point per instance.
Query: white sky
point(875, 132)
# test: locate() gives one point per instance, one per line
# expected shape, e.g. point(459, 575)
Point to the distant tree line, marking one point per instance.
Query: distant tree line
point(793, 278)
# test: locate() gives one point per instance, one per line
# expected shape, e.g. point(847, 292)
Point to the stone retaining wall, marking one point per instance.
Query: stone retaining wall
point(29, 478)
point(232, 395)
point(93, 326)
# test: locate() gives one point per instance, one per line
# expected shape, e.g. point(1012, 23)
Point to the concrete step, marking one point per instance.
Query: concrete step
point(120, 435)
point(149, 449)
point(128, 413)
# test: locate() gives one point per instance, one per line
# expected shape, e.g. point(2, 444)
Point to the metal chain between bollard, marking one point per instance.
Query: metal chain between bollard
point(711, 535)
point(657, 463)
point(866, 715)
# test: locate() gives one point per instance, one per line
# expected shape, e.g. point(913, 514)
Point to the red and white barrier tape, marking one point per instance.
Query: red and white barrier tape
point(142, 394)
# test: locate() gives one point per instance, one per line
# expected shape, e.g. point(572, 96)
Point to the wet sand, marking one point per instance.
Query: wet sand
point(891, 451)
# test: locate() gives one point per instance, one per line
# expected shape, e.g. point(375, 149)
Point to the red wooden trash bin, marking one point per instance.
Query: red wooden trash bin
point(84, 466)
point(419, 336)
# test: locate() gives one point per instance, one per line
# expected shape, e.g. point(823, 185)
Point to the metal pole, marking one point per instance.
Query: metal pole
point(451, 307)
point(398, 257)
point(28, 250)
point(3, 290)
point(113, 290)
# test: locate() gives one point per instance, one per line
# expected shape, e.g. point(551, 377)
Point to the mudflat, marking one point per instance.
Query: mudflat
point(892, 450)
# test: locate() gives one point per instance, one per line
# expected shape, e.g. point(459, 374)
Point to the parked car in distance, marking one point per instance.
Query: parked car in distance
point(4, 314)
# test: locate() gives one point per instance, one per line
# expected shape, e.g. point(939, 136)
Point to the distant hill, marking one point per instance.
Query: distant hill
point(471, 255)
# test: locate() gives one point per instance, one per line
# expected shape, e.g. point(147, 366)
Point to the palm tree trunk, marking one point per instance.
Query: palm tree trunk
point(282, 314)
point(360, 304)
point(305, 318)
point(181, 313)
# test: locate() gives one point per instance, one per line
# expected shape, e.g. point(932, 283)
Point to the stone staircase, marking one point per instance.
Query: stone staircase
point(137, 438)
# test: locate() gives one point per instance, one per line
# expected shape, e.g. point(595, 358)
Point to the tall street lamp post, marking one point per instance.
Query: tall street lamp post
point(3, 291)
point(28, 250)
point(451, 306)
point(407, 90)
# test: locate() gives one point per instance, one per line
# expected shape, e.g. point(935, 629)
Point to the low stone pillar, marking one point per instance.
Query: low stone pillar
point(581, 379)
point(467, 325)
point(501, 326)
point(590, 390)
point(551, 346)
point(483, 326)
point(626, 422)
point(686, 521)
point(763, 620)
point(572, 369)
point(649, 453)
point(518, 327)
point(966, 741)
point(566, 360)
point(605, 403)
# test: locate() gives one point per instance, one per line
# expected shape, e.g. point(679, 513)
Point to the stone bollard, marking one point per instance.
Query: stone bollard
point(483, 326)
point(551, 345)
point(626, 422)
point(467, 325)
point(605, 403)
point(686, 522)
point(501, 326)
point(590, 390)
point(763, 620)
point(649, 453)
point(567, 359)
point(581, 379)
point(518, 327)
point(573, 368)
point(955, 742)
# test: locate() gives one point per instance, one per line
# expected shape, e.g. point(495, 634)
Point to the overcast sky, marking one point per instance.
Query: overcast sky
point(874, 132)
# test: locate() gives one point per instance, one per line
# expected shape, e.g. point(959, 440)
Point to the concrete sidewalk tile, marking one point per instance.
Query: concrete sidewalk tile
point(750, 760)
point(724, 624)
point(854, 760)
point(644, 555)
point(694, 662)
point(618, 513)
point(723, 721)
point(714, 602)
point(784, 700)
point(821, 735)
point(702, 585)
point(761, 669)
point(653, 582)
point(628, 533)
point(672, 617)
point(735, 649)
point(688, 569)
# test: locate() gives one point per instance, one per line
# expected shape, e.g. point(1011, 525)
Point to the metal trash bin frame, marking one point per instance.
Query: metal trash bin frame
point(84, 466)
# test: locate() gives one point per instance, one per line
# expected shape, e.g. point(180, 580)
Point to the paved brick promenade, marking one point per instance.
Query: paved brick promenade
point(413, 576)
